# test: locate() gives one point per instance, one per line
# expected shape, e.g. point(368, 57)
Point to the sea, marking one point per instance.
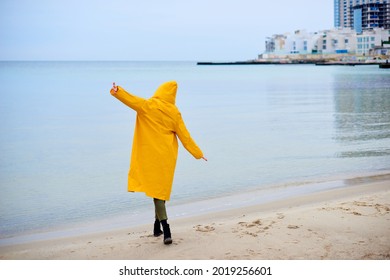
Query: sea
point(270, 131)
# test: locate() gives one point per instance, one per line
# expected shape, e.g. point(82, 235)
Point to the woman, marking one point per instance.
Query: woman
point(155, 147)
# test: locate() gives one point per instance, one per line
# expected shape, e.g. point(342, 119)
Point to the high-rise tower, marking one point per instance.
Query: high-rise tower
point(362, 14)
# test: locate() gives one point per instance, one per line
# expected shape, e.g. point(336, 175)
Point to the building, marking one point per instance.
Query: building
point(334, 42)
point(375, 41)
point(275, 44)
point(362, 31)
point(362, 14)
point(299, 42)
point(337, 41)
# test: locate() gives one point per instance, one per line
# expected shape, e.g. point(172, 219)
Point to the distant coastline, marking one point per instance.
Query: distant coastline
point(320, 62)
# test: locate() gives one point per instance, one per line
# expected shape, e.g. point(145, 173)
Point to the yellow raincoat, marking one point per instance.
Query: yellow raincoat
point(155, 145)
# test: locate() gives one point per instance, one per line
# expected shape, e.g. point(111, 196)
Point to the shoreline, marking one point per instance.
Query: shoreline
point(345, 222)
point(319, 62)
point(256, 196)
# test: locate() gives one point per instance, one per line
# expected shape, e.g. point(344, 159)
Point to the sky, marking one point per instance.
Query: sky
point(201, 30)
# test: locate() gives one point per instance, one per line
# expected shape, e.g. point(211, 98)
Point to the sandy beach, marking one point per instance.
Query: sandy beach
point(351, 223)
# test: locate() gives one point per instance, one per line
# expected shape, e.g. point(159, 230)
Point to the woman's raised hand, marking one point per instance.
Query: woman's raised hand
point(114, 88)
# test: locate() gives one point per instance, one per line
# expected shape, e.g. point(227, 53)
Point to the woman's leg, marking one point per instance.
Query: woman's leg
point(161, 214)
point(161, 211)
point(157, 228)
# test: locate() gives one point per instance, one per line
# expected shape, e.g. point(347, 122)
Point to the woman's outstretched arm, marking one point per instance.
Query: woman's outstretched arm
point(131, 100)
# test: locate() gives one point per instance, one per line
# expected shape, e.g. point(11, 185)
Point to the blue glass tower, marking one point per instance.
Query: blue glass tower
point(337, 13)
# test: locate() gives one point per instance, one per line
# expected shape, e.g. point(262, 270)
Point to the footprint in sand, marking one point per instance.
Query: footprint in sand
point(204, 228)
point(362, 208)
point(177, 241)
point(250, 224)
point(292, 227)
point(380, 208)
point(252, 228)
point(280, 216)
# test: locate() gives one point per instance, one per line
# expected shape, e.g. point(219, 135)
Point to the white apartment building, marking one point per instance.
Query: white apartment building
point(337, 41)
point(370, 40)
point(299, 42)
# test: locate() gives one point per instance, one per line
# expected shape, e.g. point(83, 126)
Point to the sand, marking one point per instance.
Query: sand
point(351, 223)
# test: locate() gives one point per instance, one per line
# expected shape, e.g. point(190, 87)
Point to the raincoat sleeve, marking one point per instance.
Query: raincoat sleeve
point(186, 139)
point(134, 102)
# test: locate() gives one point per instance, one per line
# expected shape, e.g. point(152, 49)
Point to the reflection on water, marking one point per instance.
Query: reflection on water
point(362, 113)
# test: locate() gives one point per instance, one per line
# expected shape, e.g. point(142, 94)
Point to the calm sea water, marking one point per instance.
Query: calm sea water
point(65, 142)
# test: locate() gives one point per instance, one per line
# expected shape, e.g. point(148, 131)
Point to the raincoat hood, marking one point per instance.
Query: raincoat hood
point(167, 92)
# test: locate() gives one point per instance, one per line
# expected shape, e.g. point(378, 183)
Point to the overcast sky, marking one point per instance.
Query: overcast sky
point(216, 30)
